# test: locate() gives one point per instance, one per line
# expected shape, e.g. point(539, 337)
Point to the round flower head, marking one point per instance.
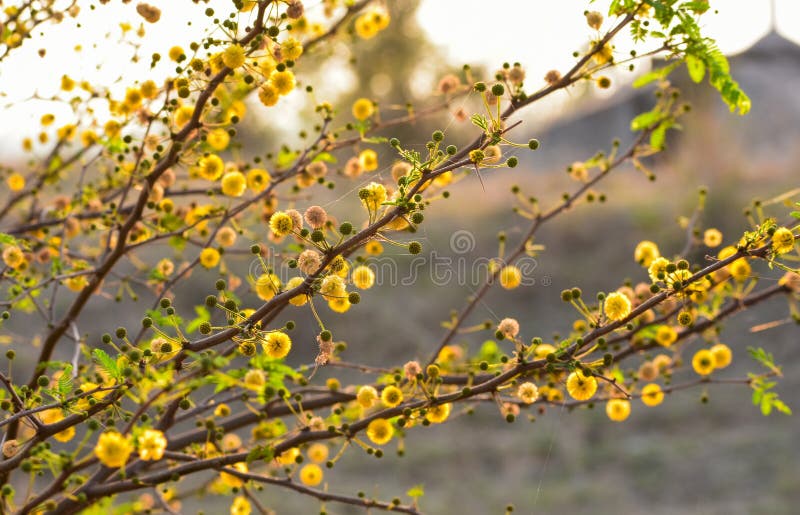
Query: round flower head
point(703, 362)
point(400, 169)
point(52, 416)
point(618, 409)
point(646, 252)
point(267, 286)
point(218, 139)
point(365, 28)
point(666, 335)
point(510, 277)
point(366, 396)
point(712, 238)
point(281, 224)
point(288, 457)
point(309, 261)
point(647, 371)
point(234, 184)
point(380, 431)
point(291, 49)
point(15, 182)
point(297, 300)
point(210, 167)
point(318, 453)
point(316, 217)
point(492, 154)
point(543, 349)
point(363, 277)
point(580, 387)
point(113, 449)
point(233, 56)
point(333, 287)
point(782, 241)
point(439, 413)
point(652, 395)
point(226, 237)
point(151, 445)
point(391, 396)
point(373, 248)
point(317, 169)
point(722, 355)
point(241, 506)
point(740, 270)
point(363, 108)
point(311, 474)
point(283, 81)
point(617, 306)
point(231, 480)
point(268, 94)
point(528, 393)
point(209, 257)
point(368, 159)
point(255, 379)
point(13, 257)
point(411, 369)
point(658, 267)
point(277, 344)
point(509, 327)
point(340, 305)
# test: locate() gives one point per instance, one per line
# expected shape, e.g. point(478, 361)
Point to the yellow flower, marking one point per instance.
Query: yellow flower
point(782, 241)
point(510, 277)
point(618, 409)
point(258, 179)
point(47, 119)
point(740, 270)
point(54, 415)
point(363, 108)
point(268, 94)
point(226, 237)
point(152, 444)
point(318, 452)
point(254, 379)
point(365, 27)
point(176, 54)
point(580, 387)
point(703, 362)
point(288, 457)
point(722, 355)
point(617, 306)
point(363, 277)
point(712, 238)
point(218, 139)
point(657, 266)
point(209, 257)
point(373, 195)
point(341, 305)
point(311, 474)
point(240, 506)
point(277, 344)
point(230, 479)
point(380, 431)
point(15, 182)
point(543, 350)
point(291, 49)
point(374, 248)
point(283, 82)
point(234, 184)
point(438, 414)
point(368, 159)
point(528, 392)
point(391, 396)
point(652, 395)
point(88, 138)
point(333, 287)
point(210, 167)
point(366, 396)
point(281, 224)
point(13, 257)
point(233, 56)
point(665, 335)
point(297, 300)
point(379, 17)
point(222, 410)
point(646, 252)
point(267, 285)
point(181, 117)
point(113, 449)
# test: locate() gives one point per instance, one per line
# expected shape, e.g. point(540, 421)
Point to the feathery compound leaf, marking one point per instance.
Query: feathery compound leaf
point(105, 362)
point(65, 381)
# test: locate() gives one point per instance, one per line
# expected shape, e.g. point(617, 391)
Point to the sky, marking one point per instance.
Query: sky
point(540, 34)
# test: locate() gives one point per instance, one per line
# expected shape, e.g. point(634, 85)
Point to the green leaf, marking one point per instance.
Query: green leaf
point(285, 157)
point(202, 316)
point(375, 139)
point(7, 239)
point(105, 362)
point(696, 68)
point(65, 381)
point(480, 121)
point(326, 157)
point(646, 120)
point(795, 214)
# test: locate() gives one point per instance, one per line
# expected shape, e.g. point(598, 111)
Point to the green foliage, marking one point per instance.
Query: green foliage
point(107, 364)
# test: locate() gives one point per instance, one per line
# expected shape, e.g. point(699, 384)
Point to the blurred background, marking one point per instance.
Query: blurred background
point(722, 457)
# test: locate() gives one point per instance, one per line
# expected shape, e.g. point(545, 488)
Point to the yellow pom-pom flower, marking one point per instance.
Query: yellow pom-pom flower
point(283, 82)
point(151, 445)
point(210, 167)
point(365, 27)
point(291, 49)
point(652, 395)
point(439, 413)
point(391, 396)
point(311, 474)
point(363, 108)
point(113, 449)
point(52, 416)
point(712, 238)
point(666, 335)
point(277, 344)
point(366, 396)
point(617, 306)
point(656, 268)
point(241, 506)
point(580, 387)
point(510, 277)
point(722, 355)
point(782, 241)
point(703, 362)
point(528, 392)
point(13, 257)
point(258, 179)
point(281, 224)
point(233, 56)
point(380, 431)
point(740, 270)
point(363, 277)
point(341, 305)
point(234, 184)
point(368, 159)
point(209, 257)
point(318, 453)
point(297, 300)
point(231, 480)
point(373, 195)
point(268, 94)
point(218, 139)
point(267, 286)
point(15, 182)
point(618, 409)
point(646, 252)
